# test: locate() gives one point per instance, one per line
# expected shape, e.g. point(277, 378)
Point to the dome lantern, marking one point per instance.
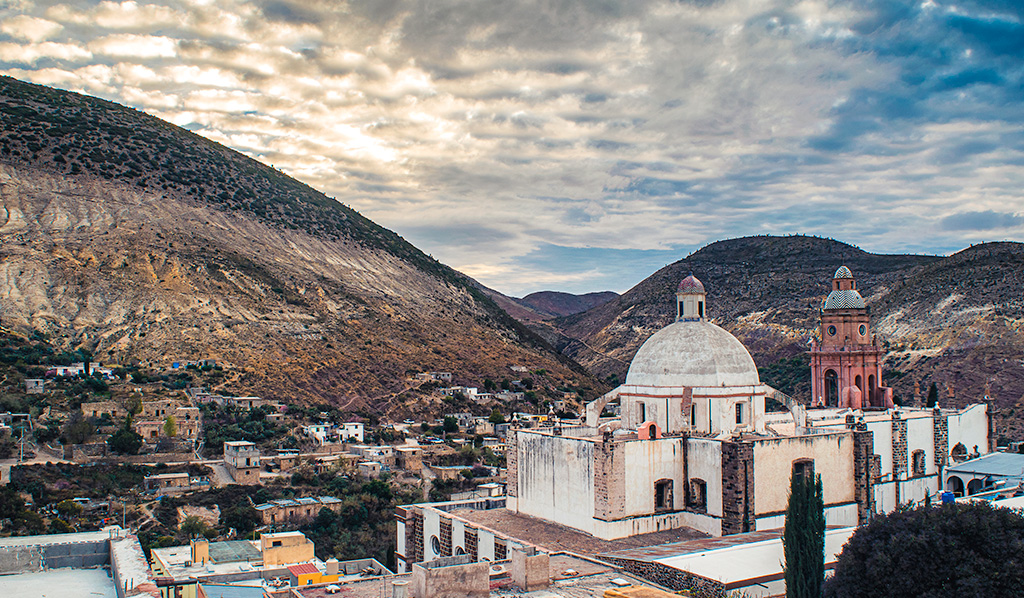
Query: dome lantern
point(691, 300)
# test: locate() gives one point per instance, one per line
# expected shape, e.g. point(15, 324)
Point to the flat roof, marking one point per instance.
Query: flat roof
point(1008, 465)
point(558, 538)
point(234, 551)
point(762, 560)
point(46, 539)
point(59, 583)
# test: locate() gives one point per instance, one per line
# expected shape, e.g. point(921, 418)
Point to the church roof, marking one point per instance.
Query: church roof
point(693, 354)
point(849, 299)
point(843, 272)
point(689, 285)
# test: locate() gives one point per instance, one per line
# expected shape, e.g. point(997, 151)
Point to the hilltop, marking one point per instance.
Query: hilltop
point(955, 320)
point(144, 243)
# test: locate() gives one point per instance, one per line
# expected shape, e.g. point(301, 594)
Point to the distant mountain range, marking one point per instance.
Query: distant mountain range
point(956, 321)
point(143, 242)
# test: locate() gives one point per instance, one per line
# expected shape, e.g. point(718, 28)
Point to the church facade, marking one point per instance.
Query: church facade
point(693, 446)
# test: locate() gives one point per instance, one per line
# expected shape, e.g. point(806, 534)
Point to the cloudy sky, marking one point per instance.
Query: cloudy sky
point(579, 146)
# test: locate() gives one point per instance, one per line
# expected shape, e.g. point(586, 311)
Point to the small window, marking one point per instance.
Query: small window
point(435, 545)
point(643, 412)
point(917, 463)
point(863, 329)
point(700, 309)
point(662, 495)
point(275, 543)
point(831, 330)
point(698, 495)
point(693, 416)
point(739, 413)
point(803, 468)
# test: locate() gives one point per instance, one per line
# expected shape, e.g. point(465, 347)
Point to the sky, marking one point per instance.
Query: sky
point(580, 146)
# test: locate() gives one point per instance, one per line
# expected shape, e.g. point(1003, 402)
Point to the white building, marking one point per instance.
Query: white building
point(694, 447)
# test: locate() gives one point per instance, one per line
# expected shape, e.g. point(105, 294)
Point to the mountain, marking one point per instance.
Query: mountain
point(142, 242)
point(951, 320)
point(555, 304)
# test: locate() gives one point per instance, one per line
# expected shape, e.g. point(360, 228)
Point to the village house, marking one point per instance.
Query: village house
point(242, 460)
point(297, 510)
point(35, 386)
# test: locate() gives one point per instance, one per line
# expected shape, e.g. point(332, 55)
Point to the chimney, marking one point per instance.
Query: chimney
point(332, 566)
point(530, 571)
point(399, 589)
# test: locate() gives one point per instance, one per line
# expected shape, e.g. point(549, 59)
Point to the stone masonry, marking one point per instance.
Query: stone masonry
point(511, 464)
point(446, 536)
point(899, 444)
point(609, 483)
point(472, 543)
point(670, 577)
point(863, 441)
point(737, 487)
point(941, 435)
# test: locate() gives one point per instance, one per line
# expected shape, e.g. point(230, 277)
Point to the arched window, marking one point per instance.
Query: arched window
point(803, 468)
point(652, 432)
point(955, 485)
point(831, 388)
point(859, 382)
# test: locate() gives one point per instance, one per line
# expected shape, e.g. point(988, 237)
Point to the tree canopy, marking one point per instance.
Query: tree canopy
point(803, 539)
point(955, 550)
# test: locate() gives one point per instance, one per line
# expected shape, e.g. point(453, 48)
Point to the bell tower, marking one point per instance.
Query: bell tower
point(846, 361)
point(691, 301)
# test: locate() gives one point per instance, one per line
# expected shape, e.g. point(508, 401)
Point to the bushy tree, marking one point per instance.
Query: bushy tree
point(933, 395)
point(192, 526)
point(170, 427)
point(954, 550)
point(451, 425)
point(803, 539)
point(496, 417)
point(125, 442)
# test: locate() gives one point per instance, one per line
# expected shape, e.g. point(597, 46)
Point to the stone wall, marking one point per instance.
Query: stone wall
point(609, 480)
point(863, 443)
point(737, 487)
point(899, 445)
point(511, 464)
point(676, 579)
point(446, 536)
point(941, 434)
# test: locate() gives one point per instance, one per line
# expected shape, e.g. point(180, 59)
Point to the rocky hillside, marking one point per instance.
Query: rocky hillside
point(142, 242)
point(556, 304)
point(955, 321)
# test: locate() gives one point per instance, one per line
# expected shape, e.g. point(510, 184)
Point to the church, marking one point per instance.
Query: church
point(694, 447)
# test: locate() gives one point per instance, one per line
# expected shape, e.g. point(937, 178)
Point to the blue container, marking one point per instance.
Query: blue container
point(948, 497)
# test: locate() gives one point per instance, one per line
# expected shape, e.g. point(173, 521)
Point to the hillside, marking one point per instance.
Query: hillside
point(955, 321)
point(556, 304)
point(144, 243)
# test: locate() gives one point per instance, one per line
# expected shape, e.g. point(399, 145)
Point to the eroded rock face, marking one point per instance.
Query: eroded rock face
point(151, 277)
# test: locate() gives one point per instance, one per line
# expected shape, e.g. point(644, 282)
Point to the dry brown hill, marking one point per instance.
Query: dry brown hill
point(143, 242)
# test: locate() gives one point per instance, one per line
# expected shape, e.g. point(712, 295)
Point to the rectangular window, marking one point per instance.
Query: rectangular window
point(739, 413)
point(693, 416)
point(803, 468)
point(698, 495)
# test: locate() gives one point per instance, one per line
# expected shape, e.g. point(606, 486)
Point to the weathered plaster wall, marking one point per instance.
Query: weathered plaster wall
point(556, 479)
point(648, 461)
point(773, 462)
point(704, 462)
point(970, 428)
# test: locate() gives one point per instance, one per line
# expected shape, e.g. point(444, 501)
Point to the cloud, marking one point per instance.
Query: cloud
point(577, 143)
point(981, 221)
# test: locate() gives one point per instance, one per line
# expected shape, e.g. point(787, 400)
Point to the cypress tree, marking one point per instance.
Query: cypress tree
point(933, 395)
point(803, 539)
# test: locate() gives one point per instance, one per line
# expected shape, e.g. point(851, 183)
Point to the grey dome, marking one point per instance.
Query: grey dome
point(693, 354)
point(850, 299)
point(843, 272)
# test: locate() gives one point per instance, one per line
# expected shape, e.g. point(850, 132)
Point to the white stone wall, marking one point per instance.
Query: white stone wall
point(841, 515)
point(881, 434)
point(431, 527)
point(646, 462)
point(773, 465)
point(485, 545)
point(556, 479)
point(704, 461)
point(970, 427)
point(921, 436)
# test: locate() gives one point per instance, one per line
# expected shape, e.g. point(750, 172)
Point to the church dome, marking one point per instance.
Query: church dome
point(690, 285)
point(848, 299)
point(843, 272)
point(694, 354)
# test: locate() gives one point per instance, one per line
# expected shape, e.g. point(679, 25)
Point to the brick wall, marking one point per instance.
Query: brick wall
point(899, 444)
point(609, 481)
point(511, 464)
point(472, 543)
point(500, 549)
point(676, 579)
point(737, 487)
point(863, 463)
point(446, 536)
point(413, 536)
point(940, 434)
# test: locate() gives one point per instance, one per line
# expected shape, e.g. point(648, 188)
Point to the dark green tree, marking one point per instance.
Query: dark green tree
point(451, 425)
point(933, 395)
point(803, 539)
point(496, 417)
point(954, 550)
point(125, 442)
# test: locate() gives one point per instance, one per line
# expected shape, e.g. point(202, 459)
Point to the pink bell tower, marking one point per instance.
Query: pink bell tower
point(846, 363)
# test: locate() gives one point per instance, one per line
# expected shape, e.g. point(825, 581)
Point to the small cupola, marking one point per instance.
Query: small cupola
point(690, 300)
